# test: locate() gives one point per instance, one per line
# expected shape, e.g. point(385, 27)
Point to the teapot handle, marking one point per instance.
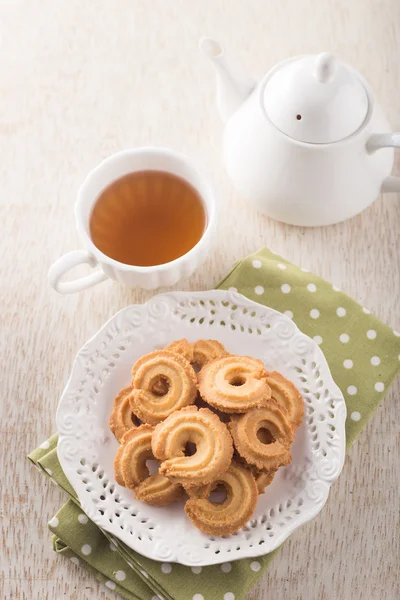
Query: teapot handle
point(386, 140)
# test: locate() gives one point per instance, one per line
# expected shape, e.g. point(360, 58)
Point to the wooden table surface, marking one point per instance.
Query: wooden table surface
point(81, 80)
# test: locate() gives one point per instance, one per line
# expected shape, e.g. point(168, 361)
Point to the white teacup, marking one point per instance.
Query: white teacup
point(114, 167)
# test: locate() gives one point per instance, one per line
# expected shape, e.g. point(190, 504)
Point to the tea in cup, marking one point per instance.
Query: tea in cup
point(146, 217)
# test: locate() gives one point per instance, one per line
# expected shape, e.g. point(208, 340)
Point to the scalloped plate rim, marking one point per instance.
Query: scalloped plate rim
point(223, 294)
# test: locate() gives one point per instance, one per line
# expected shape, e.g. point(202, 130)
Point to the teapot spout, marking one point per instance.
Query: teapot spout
point(233, 85)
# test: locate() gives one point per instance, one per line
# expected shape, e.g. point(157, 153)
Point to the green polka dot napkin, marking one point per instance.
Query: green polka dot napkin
point(364, 357)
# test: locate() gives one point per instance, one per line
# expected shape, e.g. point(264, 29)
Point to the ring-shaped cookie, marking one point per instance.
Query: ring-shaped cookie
point(263, 436)
point(287, 396)
point(150, 370)
point(234, 384)
point(213, 446)
point(182, 347)
point(204, 351)
point(132, 472)
point(119, 478)
point(198, 353)
point(137, 451)
point(233, 512)
point(122, 419)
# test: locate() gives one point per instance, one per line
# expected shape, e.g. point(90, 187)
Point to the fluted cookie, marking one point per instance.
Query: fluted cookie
point(212, 441)
point(234, 384)
point(161, 366)
point(119, 478)
point(122, 419)
point(232, 513)
point(263, 436)
point(287, 396)
point(132, 472)
point(182, 347)
point(204, 351)
point(198, 353)
point(137, 451)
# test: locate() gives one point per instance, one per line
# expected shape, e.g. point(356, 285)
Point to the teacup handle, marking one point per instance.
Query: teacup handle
point(66, 263)
point(386, 140)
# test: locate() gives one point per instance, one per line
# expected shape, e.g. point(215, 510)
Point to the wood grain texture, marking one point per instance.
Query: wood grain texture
point(81, 80)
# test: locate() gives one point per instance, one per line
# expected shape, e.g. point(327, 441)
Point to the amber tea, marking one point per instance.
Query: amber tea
point(147, 218)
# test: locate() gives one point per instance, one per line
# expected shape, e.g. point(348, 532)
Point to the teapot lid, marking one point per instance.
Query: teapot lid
point(315, 99)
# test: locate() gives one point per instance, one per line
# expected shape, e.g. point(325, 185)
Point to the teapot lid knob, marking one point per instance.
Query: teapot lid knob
point(324, 67)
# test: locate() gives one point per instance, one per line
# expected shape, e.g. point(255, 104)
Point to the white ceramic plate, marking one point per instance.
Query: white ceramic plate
point(87, 447)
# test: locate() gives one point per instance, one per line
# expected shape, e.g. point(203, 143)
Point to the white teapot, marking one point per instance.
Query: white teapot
point(308, 144)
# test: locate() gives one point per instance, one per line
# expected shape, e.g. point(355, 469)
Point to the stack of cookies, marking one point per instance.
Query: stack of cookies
point(213, 421)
